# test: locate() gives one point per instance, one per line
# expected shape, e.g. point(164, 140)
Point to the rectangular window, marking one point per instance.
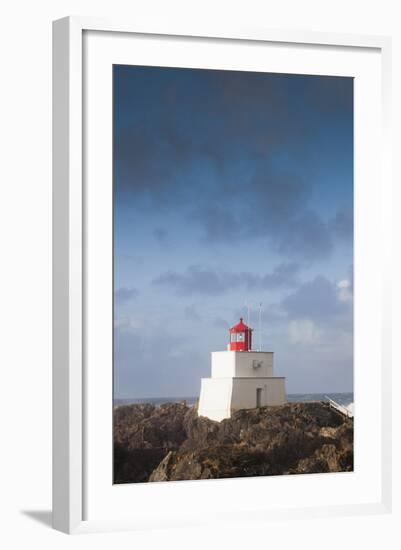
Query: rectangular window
point(233, 337)
point(241, 337)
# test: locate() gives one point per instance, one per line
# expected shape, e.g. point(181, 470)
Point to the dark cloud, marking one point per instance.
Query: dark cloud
point(306, 237)
point(283, 275)
point(218, 223)
point(272, 208)
point(196, 280)
point(169, 119)
point(220, 323)
point(204, 281)
point(147, 159)
point(332, 95)
point(276, 198)
point(267, 203)
point(316, 300)
point(160, 234)
point(342, 224)
point(191, 313)
point(212, 138)
point(125, 294)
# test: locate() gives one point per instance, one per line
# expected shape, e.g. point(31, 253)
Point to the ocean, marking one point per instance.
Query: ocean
point(341, 398)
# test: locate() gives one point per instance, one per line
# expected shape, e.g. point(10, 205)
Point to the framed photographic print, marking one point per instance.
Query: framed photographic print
point(221, 307)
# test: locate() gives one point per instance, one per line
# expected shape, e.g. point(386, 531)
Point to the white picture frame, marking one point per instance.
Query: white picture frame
point(70, 260)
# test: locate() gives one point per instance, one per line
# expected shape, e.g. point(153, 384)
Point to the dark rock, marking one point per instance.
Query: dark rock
point(221, 461)
point(135, 465)
point(163, 471)
point(172, 442)
point(148, 427)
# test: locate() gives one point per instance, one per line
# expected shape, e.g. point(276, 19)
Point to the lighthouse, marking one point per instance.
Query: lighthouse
point(240, 337)
point(241, 378)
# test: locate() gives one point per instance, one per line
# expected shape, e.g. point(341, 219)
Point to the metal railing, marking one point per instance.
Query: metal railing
point(341, 408)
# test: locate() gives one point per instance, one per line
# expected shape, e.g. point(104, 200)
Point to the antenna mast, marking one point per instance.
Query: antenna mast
point(249, 315)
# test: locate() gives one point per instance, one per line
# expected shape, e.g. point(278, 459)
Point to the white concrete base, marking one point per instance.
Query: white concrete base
point(221, 397)
point(240, 380)
point(215, 398)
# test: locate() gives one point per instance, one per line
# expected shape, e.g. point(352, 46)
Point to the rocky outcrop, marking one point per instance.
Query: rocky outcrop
point(172, 443)
point(146, 426)
point(143, 435)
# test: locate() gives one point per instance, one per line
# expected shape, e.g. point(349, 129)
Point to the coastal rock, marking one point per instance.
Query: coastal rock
point(222, 461)
point(143, 435)
point(172, 442)
point(145, 426)
point(135, 465)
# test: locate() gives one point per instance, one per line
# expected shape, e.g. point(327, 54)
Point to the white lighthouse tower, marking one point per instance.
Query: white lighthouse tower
point(241, 378)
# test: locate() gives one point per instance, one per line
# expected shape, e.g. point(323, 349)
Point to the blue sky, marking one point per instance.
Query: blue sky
point(231, 188)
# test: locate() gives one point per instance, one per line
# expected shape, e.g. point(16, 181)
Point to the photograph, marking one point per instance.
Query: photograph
point(233, 261)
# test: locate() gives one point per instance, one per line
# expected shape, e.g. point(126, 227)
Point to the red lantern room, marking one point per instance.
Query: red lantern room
point(240, 337)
